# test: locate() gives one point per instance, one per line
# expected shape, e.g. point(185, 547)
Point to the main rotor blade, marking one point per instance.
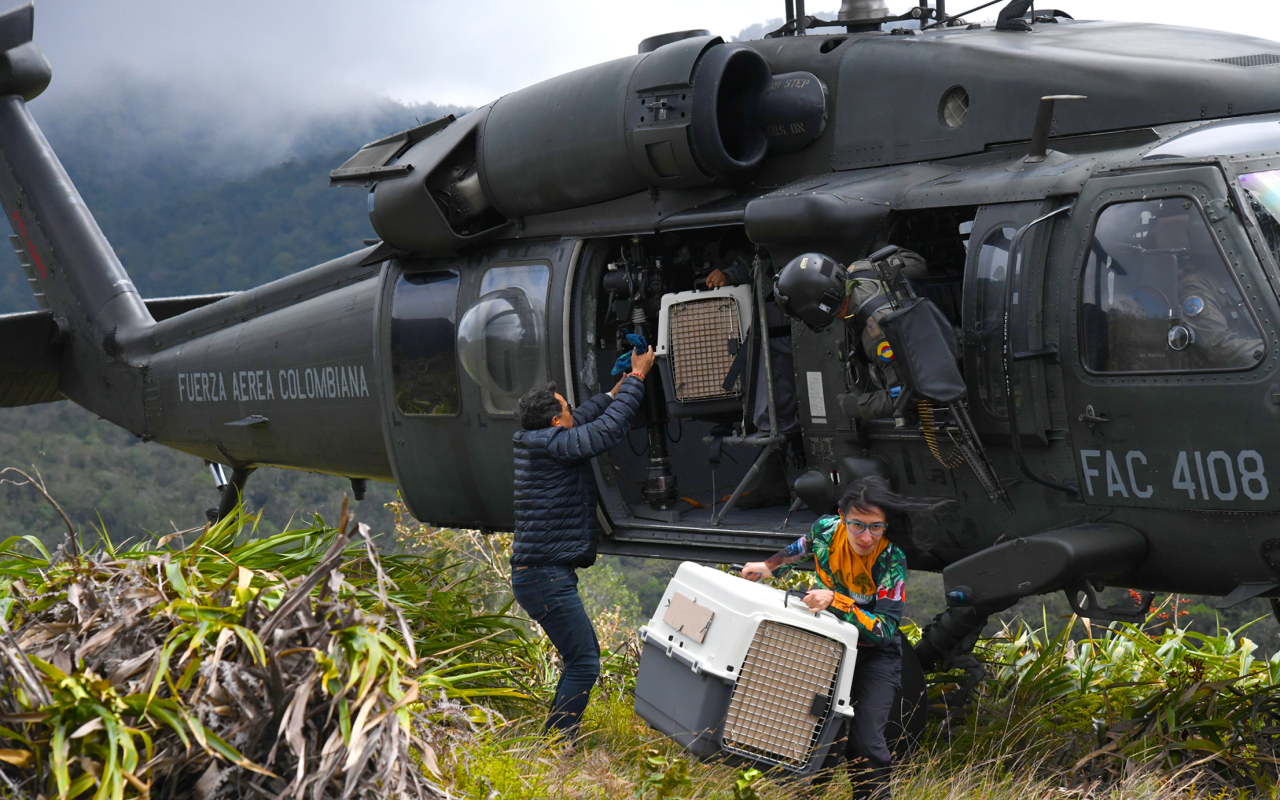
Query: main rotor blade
point(17, 27)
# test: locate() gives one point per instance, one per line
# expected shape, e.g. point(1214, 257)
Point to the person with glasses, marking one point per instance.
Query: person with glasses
point(860, 560)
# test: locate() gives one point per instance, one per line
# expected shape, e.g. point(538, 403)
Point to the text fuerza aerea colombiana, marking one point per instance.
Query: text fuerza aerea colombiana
point(264, 384)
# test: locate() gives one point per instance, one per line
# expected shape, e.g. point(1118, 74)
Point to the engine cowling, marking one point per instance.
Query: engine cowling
point(692, 113)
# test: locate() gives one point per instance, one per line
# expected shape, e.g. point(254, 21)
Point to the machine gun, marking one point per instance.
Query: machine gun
point(925, 348)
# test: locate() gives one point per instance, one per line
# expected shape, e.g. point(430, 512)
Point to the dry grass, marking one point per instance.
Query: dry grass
point(619, 753)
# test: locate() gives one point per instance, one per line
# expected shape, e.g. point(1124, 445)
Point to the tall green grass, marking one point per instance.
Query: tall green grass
point(1122, 700)
point(235, 663)
point(1124, 712)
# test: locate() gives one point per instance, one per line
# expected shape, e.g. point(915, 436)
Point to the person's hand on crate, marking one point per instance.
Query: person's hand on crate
point(819, 599)
point(756, 570)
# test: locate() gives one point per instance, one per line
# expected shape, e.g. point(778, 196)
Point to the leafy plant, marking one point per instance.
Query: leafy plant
point(302, 662)
point(666, 776)
point(1125, 697)
point(743, 785)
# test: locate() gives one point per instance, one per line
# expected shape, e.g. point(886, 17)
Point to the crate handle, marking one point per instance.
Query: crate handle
point(786, 598)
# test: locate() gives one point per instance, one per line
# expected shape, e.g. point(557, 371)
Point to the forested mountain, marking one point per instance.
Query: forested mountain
point(191, 213)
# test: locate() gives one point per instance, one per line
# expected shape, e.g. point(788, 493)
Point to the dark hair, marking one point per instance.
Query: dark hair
point(538, 407)
point(873, 491)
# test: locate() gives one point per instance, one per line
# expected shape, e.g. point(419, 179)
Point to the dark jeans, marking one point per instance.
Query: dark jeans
point(550, 596)
point(876, 680)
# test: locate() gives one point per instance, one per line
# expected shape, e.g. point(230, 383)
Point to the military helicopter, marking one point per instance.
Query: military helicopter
point(1098, 204)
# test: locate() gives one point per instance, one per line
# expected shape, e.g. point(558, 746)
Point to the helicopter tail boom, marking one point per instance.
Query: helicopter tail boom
point(99, 322)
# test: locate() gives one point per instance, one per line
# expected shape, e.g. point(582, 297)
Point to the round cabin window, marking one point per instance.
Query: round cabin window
point(499, 342)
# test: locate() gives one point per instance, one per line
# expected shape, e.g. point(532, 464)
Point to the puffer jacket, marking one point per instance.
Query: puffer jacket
point(555, 492)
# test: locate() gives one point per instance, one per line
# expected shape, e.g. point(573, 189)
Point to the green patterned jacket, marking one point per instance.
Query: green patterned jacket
point(875, 609)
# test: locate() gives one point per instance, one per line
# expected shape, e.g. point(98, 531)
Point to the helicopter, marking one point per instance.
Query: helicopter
point(1098, 205)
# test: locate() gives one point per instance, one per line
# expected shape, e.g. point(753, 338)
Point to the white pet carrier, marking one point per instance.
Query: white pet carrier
point(700, 337)
point(734, 666)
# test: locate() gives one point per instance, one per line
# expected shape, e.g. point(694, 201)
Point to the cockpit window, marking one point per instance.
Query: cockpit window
point(1157, 295)
point(1262, 190)
point(502, 337)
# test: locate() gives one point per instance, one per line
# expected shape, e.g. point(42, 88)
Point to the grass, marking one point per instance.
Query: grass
point(420, 652)
point(1128, 712)
point(620, 757)
point(300, 663)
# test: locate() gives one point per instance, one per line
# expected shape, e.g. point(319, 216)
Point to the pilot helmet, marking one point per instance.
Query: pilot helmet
point(810, 288)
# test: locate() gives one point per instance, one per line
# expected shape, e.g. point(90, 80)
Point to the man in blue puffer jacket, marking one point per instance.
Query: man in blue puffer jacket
point(556, 525)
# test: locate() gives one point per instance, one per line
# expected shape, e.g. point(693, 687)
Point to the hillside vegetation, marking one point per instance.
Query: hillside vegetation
point(228, 663)
point(191, 214)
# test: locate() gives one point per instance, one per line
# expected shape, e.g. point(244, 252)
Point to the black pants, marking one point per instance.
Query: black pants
point(550, 596)
point(876, 680)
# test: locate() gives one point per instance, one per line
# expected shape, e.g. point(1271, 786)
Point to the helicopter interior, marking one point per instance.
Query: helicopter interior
point(711, 422)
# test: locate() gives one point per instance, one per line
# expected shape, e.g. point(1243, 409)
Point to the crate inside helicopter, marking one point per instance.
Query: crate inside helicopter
point(699, 453)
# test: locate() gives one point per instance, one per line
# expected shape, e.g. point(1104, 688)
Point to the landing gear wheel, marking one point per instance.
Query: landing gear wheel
point(910, 711)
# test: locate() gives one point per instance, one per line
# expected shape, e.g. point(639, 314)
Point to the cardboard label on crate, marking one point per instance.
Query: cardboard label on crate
point(687, 617)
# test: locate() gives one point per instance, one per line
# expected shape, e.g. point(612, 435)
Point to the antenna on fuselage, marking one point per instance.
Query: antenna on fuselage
point(1044, 124)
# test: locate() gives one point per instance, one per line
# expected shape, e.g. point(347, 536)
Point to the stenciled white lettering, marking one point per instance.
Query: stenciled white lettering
point(201, 387)
point(1207, 476)
point(1089, 473)
point(339, 381)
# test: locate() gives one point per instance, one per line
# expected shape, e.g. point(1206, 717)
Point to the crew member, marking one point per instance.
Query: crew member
point(556, 525)
point(817, 290)
point(860, 560)
point(1224, 332)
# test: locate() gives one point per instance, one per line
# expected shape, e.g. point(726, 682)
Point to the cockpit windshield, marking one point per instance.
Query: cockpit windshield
point(1262, 190)
point(1157, 295)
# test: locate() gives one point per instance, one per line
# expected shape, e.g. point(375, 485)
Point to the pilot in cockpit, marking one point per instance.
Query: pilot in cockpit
point(1159, 278)
point(1208, 301)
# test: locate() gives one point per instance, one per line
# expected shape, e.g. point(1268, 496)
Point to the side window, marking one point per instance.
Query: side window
point(992, 273)
point(1156, 295)
point(424, 364)
point(502, 338)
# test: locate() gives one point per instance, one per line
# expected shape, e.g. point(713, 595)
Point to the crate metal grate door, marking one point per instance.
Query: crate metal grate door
point(705, 337)
point(786, 675)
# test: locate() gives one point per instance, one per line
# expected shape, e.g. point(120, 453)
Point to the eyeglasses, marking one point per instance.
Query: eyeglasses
point(857, 527)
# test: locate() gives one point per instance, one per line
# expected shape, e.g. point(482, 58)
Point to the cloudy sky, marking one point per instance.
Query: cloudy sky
point(301, 54)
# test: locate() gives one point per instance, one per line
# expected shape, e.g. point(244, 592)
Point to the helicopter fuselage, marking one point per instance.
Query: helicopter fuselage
point(521, 241)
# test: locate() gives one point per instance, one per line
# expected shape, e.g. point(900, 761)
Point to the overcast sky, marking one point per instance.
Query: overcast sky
point(310, 54)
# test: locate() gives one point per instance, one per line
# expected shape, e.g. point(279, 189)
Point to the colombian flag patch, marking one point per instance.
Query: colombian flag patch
point(884, 352)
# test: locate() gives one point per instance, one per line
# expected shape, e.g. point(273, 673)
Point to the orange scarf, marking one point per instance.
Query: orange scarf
point(853, 570)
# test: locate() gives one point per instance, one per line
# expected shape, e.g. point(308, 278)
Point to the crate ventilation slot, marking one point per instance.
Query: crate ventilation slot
point(705, 337)
point(771, 712)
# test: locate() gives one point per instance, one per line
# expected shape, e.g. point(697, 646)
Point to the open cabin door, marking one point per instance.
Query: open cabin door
point(1171, 366)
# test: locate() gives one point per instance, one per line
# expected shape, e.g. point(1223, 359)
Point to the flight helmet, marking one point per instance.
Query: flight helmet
point(810, 288)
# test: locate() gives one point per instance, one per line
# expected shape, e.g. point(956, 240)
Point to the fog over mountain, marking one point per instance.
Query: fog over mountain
point(201, 133)
point(129, 122)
